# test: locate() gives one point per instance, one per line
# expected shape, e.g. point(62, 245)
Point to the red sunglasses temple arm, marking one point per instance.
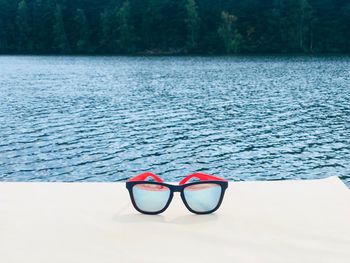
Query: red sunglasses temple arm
point(202, 177)
point(144, 176)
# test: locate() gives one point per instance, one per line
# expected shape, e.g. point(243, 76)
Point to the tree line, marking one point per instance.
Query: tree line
point(174, 26)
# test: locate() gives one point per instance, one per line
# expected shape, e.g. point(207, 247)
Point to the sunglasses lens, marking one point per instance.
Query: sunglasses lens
point(151, 198)
point(203, 197)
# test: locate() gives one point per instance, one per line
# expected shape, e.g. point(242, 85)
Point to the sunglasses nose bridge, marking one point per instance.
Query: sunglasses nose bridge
point(177, 188)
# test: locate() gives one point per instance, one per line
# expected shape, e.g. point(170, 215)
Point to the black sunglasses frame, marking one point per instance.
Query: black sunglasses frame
point(176, 188)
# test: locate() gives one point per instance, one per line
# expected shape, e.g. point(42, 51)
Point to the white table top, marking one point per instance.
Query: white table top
point(282, 221)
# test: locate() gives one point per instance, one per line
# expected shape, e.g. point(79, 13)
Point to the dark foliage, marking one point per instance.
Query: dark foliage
point(174, 26)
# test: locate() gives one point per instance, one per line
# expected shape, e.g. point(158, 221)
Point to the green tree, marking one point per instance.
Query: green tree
point(43, 19)
point(305, 26)
point(297, 25)
point(229, 34)
point(109, 31)
point(2, 37)
point(125, 37)
point(22, 22)
point(345, 28)
point(193, 24)
point(83, 38)
point(61, 44)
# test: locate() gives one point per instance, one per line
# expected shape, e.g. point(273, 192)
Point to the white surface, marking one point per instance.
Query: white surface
point(283, 221)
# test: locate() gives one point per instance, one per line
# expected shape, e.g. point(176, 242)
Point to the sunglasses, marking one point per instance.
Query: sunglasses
point(202, 196)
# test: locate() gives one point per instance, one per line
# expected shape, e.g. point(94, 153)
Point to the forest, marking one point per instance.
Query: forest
point(174, 26)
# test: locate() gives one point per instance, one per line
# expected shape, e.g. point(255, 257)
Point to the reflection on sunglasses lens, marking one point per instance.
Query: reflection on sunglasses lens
point(203, 197)
point(150, 197)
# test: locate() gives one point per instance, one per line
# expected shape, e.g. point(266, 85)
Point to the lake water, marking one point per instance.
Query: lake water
point(109, 118)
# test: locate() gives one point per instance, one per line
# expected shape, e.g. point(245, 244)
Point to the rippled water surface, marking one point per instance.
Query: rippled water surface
point(109, 118)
